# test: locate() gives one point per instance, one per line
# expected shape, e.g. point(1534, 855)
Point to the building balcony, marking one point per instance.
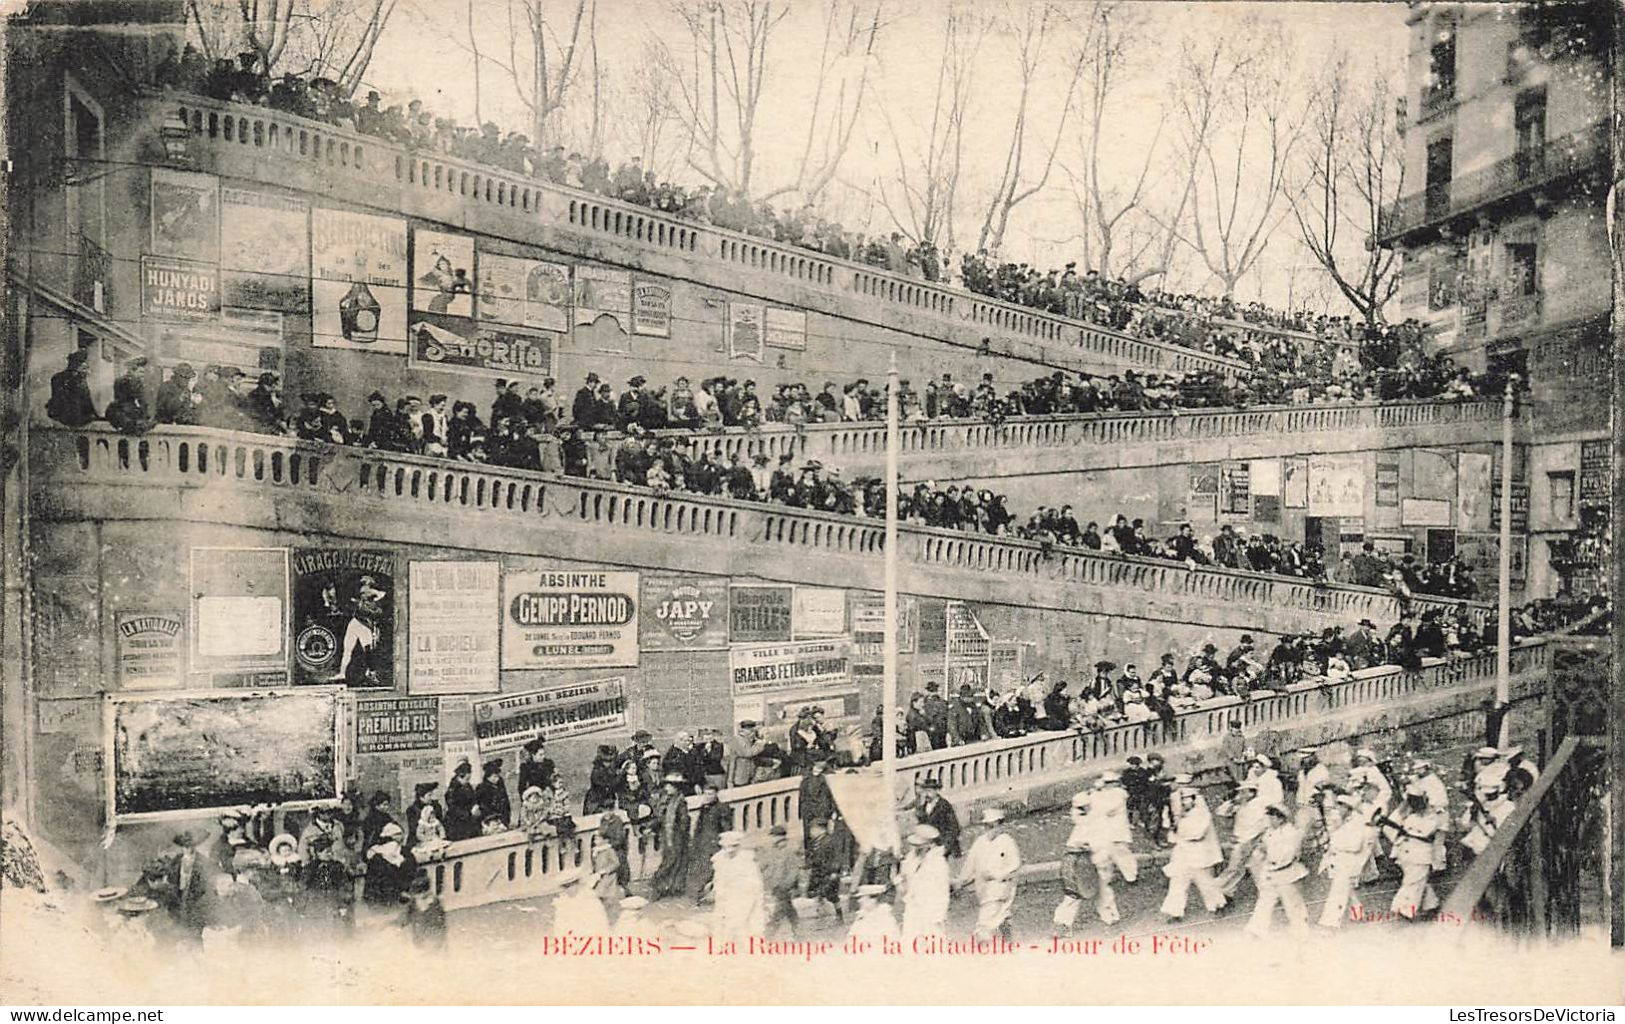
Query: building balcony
point(1557, 162)
point(251, 143)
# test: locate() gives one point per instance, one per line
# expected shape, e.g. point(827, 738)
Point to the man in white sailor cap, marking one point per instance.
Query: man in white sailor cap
point(631, 921)
point(741, 901)
point(1367, 773)
point(1281, 876)
point(1411, 833)
point(1079, 878)
point(874, 919)
point(1247, 831)
point(991, 867)
point(924, 882)
point(1348, 848)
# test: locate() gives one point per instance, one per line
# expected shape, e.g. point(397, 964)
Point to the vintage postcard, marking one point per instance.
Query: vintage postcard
point(810, 501)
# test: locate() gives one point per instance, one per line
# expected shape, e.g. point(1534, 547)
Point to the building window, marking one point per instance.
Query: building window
point(1440, 166)
point(1441, 81)
point(1561, 488)
point(1529, 124)
point(1523, 270)
point(83, 146)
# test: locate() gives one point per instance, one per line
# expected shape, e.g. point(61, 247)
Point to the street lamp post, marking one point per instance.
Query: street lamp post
point(1503, 603)
point(888, 699)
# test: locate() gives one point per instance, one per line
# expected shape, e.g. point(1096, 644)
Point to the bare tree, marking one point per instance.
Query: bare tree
point(543, 79)
point(1353, 168)
point(1119, 233)
point(474, 46)
point(335, 39)
point(1036, 30)
point(925, 186)
point(1240, 128)
point(719, 86)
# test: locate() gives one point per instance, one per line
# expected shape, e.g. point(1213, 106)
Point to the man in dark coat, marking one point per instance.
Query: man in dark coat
point(70, 401)
point(936, 715)
point(1360, 646)
point(933, 810)
point(965, 718)
point(128, 413)
point(816, 802)
point(583, 409)
point(178, 401)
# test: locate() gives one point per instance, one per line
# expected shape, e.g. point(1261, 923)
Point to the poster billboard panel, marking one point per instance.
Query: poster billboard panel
point(785, 328)
point(481, 350)
point(442, 273)
point(569, 618)
point(264, 250)
point(603, 291)
point(149, 650)
point(651, 308)
point(239, 608)
point(683, 612)
point(760, 613)
point(185, 208)
point(523, 292)
point(1336, 485)
point(176, 289)
point(454, 610)
point(819, 611)
point(390, 725)
point(358, 281)
point(554, 712)
point(344, 617)
point(744, 330)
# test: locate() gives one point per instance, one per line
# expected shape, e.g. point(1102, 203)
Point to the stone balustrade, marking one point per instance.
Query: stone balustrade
point(750, 534)
point(508, 866)
point(463, 193)
point(951, 449)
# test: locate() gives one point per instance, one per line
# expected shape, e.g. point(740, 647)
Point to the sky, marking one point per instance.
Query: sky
point(425, 53)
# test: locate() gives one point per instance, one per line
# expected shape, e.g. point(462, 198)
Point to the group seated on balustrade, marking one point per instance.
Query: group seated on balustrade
point(1220, 326)
point(637, 438)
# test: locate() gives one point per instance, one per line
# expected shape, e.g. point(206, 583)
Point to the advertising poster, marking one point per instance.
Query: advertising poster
point(760, 614)
point(149, 650)
point(1424, 512)
point(1007, 664)
point(772, 682)
point(683, 612)
point(969, 648)
point(1235, 492)
point(1295, 483)
point(869, 626)
point(1472, 491)
point(481, 350)
point(185, 215)
point(173, 289)
point(603, 291)
point(786, 328)
point(454, 611)
point(239, 608)
point(524, 292)
point(569, 619)
point(442, 273)
point(1264, 478)
point(651, 308)
point(744, 330)
point(264, 251)
point(1336, 485)
point(358, 281)
point(819, 611)
point(396, 724)
point(573, 709)
point(1520, 506)
point(1387, 470)
point(1481, 552)
point(197, 751)
point(248, 339)
point(344, 617)
point(1595, 486)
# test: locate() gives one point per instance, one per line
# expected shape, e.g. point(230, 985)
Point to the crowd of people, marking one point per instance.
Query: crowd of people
point(639, 437)
point(1219, 326)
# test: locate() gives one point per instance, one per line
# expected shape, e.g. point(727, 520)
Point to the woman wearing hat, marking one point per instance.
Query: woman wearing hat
point(390, 869)
point(460, 804)
point(491, 798)
point(671, 813)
